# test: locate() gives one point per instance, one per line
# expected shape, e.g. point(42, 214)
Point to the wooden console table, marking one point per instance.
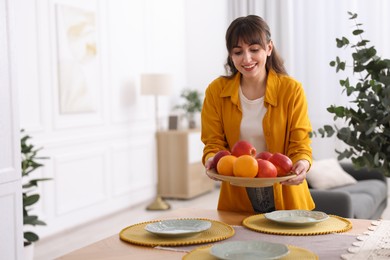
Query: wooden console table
point(181, 173)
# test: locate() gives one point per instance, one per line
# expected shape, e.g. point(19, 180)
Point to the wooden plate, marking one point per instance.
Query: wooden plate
point(249, 182)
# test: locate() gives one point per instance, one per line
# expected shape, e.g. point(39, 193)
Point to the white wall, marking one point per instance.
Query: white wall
point(103, 160)
point(11, 220)
point(206, 24)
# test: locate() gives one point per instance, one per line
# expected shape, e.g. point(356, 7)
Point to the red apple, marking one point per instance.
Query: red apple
point(243, 148)
point(263, 155)
point(266, 169)
point(218, 156)
point(282, 163)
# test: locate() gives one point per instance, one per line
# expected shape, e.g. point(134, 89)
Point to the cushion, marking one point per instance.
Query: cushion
point(327, 173)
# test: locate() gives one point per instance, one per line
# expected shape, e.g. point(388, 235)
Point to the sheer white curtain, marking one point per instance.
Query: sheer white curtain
point(304, 33)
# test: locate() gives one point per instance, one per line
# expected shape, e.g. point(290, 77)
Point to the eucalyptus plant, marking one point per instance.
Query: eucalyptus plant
point(366, 128)
point(30, 162)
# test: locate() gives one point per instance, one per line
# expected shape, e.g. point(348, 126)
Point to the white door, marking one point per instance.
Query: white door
point(11, 221)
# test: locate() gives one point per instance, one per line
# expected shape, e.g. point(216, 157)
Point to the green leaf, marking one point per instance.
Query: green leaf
point(362, 43)
point(30, 236)
point(338, 111)
point(32, 220)
point(352, 15)
point(329, 130)
point(342, 42)
point(371, 129)
point(30, 200)
point(340, 66)
point(322, 132)
point(359, 68)
point(385, 79)
point(344, 134)
point(357, 32)
point(35, 181)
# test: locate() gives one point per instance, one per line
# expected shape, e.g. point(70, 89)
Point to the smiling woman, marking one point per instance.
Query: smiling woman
point(256, 100)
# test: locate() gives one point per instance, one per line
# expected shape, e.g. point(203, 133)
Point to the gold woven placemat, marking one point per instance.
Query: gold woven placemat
point(296, 253)
point(136, 234)
point(334, 224)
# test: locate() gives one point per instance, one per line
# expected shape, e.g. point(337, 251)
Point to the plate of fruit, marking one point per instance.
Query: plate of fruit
point(244, 167)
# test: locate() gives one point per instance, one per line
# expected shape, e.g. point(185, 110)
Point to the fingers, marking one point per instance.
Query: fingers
point(208, 163)
point(294, 181)
point(208, 167)
point(300, 169)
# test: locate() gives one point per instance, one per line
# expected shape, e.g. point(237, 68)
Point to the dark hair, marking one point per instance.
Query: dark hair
point(252, 29)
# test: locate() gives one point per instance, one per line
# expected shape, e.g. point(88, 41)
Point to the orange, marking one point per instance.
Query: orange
point(245, 166)
point(225, 165)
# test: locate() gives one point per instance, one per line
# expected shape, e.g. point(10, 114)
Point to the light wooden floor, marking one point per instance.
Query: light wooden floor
point(53, 247)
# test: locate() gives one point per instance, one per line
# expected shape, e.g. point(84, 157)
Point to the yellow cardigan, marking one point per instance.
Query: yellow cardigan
point(286, 128)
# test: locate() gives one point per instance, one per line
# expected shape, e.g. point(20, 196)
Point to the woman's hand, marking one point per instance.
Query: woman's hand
point(300, 168)
point(207, 165)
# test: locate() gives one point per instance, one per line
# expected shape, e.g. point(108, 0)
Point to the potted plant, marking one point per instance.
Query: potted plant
point(191, 106)
point(366, 128)
point(29, 163)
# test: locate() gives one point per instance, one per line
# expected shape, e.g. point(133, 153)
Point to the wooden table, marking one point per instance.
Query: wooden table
point(113, 248)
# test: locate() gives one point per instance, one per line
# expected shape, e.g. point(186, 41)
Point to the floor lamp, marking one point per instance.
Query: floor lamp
point(156, 85)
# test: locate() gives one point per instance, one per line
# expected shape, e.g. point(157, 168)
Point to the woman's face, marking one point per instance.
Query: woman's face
point(250, 60)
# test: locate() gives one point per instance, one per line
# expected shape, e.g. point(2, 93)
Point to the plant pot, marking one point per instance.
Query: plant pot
point(28, 252)
point(191, 121)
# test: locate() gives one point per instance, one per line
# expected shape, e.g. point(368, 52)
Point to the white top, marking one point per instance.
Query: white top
point(251, 128)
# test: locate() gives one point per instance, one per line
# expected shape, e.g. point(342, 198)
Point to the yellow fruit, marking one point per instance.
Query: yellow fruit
point(225, 165)
point(245, 166)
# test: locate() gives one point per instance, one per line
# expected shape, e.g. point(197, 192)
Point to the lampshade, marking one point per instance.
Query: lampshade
point(156, 84)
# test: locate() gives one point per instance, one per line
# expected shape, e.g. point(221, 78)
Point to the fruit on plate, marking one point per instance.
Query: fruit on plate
point(225, 165)
point(217, 157)
point(263, 155)
point(266, 169)
point(282, 163)
point(243, 148)
point(245, 166)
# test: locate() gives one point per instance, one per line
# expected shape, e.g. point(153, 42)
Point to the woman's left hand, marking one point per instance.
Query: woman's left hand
point(300, 168)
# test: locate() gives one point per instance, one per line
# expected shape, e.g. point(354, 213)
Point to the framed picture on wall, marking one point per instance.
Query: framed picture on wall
point(78, 63)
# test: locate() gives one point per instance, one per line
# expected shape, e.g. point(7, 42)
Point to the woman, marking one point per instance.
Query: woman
point(257, 101)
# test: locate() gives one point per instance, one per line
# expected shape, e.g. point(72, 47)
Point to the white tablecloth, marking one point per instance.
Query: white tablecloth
point(372, 244)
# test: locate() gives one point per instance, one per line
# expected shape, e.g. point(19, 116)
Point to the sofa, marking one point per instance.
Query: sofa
point(364, 197)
